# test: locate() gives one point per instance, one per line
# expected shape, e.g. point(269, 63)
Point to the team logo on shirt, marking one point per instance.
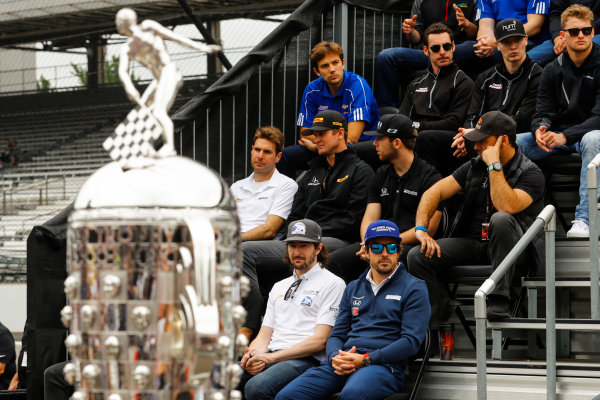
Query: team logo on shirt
point(342, 179)
point(306, 301)
point(411, 192)
point(355, 311)
point(496, 86)
point(384, 192)
point(323, 108)
point(314, 181)
point(356, 303)
point(422, 90)
point(344, 106)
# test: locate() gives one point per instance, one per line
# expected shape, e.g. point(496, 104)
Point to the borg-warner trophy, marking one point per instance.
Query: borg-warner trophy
point(153, 255)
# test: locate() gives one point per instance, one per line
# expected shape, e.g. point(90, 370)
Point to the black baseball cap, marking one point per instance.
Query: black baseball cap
point(328, 119)
point(394, 126)
point(492, 123)
point(508, 28)
point(304, 230)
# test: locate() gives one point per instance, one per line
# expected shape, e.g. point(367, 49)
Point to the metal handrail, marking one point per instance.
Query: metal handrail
point(592, 181)
point(43, 187)
point(547, 220)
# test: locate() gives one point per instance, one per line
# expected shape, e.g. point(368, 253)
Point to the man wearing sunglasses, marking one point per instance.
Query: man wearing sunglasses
point(300, 314)
point(502, 195)
point(567, 115)
point(439, 99)
point(394, 194)
point(382, 321)
point(511, 87)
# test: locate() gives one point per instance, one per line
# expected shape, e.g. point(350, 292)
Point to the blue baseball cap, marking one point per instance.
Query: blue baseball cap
point(382, 228)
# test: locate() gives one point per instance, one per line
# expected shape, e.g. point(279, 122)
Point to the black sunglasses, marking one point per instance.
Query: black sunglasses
point(575, 31)
point(290, 292)
point(391, 248)
point(436, 47)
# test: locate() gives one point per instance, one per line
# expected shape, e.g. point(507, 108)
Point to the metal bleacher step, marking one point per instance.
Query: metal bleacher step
point(509, 380)
point(540, 282)
point(540, 323)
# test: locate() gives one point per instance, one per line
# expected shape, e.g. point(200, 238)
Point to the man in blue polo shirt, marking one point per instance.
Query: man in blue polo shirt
point(382, 320)
point(335, 89)
point(532, 13)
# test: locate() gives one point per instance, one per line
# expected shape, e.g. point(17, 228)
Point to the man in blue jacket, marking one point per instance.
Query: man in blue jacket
point(382, 320)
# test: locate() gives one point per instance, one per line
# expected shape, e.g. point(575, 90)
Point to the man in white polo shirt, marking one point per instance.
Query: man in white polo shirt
point(264, 199)
point(301, 312)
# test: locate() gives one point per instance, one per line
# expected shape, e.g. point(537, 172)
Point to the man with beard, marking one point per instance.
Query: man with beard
point(300, 314)
point(382, 321)
point(394, 194)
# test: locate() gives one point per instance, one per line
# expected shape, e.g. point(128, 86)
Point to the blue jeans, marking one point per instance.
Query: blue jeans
point(372, 383)
point(275, 377)
point(544, 52)
point(588, 147)
point(396, 63)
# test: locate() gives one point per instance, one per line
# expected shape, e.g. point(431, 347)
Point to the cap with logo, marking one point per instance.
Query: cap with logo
point(492, 123)
point(508, 28)
point(382, 228)
point(328, 119)
point(394, 126)
point(304, 230)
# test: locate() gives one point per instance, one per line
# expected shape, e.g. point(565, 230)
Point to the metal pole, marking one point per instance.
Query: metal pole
point(550, 229)
point(592, 181)
point(340, 21)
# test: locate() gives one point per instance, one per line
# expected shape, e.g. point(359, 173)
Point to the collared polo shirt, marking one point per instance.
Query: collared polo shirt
point(256, 200)
point(315, 301)
point(375, 287)
point(399, 196)
point(355, 100)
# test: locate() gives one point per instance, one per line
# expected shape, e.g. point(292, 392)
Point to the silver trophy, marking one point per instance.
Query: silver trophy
point(154, 285)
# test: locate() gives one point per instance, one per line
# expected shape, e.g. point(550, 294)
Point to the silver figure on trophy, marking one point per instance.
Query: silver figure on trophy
point(154, 258)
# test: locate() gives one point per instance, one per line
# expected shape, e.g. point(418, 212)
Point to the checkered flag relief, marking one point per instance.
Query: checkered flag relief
point(133, 140)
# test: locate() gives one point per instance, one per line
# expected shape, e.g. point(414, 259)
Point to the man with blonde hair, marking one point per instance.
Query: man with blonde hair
point(567, 115)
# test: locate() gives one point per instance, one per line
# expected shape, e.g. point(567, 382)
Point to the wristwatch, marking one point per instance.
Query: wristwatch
point(496, 166)
point(366, 360)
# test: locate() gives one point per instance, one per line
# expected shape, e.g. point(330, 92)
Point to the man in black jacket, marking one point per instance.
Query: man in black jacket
point(503, 194)
point(567, 115)
point(551, 48)
point(333, 193)
point(395, 64)
point(511, 87)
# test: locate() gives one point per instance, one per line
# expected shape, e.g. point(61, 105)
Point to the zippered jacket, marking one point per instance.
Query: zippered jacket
point(515, 95)
point(334, 197)
point(438, 102)
point(568, 98)
point(432, 11)
point(389, 326)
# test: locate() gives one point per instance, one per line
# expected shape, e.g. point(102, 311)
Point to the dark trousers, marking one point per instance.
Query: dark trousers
point(434, 147)
point(55, 385)
point(348, 266)
point(504, 233)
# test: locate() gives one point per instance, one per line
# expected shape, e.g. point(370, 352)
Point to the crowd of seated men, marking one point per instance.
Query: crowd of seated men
point(375, 187)
point(352, 255)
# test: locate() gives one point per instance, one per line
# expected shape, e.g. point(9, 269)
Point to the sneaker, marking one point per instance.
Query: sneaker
point(497, 308)
point(579, 230)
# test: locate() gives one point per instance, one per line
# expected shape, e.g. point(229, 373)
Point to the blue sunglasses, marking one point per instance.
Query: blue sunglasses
point(391, 248)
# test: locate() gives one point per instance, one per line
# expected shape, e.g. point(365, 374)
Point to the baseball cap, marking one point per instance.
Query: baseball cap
point(492, 123)
point(328, 119)
point(304, 230)
point(508, 28)
point(394, 126)
point(382, 228)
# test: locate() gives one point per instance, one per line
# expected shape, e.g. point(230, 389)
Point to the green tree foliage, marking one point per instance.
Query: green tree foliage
point(43, 85)
point(111, 69)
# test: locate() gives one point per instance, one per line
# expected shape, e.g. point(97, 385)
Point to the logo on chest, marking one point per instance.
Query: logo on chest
point(306, 301)
point(496, 86)
point(422, 90)
point(384, 192)
point(314, 181)
point(411, 192)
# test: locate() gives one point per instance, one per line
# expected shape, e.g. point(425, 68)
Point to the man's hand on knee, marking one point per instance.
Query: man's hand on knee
point(429, 246)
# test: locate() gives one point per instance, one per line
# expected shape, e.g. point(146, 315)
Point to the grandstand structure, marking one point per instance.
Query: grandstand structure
point(60, 133)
